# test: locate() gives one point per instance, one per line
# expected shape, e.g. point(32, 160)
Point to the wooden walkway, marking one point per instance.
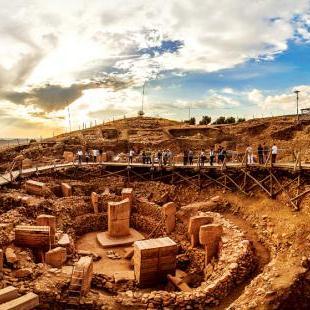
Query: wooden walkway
point(9, 177)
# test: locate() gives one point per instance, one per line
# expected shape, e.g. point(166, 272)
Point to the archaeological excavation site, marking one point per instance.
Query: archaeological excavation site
point(129, 215)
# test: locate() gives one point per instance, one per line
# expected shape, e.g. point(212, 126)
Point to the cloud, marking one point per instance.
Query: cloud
point(56, 97)
point(285, 102)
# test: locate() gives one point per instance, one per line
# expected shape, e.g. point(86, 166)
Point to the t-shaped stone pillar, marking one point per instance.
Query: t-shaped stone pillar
point(169, 210)
point(94, 199)
point(128, 193)
point(209, 237)
point(194, 225)
point(48, 220)
point(118, 218)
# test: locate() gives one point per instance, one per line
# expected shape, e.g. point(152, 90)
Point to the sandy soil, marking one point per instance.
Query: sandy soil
point(105, 265)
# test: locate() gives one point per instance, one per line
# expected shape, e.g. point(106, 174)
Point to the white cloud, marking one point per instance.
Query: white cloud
point(285, 102)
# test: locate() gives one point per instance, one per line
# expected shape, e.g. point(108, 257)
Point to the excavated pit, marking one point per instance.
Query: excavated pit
point(241, 255)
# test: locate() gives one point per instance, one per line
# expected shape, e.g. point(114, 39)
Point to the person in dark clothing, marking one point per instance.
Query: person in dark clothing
point(185, 157)
point(143, 157)
point(190, 157)
point(260, 152)
point(212, 156)
point(87, 156)
point(221, 154)
point(203, 158)
point(159, 156)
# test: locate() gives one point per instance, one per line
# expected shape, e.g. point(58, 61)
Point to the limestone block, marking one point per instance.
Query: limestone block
point(210, 236)
point(25, 302)
point(66, 189)
point(36, 188)
point(179, 283)
point(32, 236)
point(8, 293)
point(83, 273)
point(94, 199)
point(64, 240)
point(27, 163)
point(119, 218)
point(23, 272)
point(153, 260)
point(121, 276)
point(169, 211)
point(56, 257)
point(194, 226)
point(68, 156)
point(10, 256)
point(128, 193)
point(48, 220)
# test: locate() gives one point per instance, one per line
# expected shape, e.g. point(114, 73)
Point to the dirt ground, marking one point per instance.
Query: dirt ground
point(105, 265)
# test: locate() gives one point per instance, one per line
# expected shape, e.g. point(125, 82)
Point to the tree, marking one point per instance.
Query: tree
point(220, 120)
point(230, 120)
point(240, 120)
point(205, 120)
point(192, 121)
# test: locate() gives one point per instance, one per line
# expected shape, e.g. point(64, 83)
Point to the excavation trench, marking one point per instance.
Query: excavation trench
point(262, 254)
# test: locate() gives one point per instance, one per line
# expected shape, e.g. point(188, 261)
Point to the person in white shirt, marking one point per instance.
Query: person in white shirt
point(249, 152)
point(80, 156)
point(131, 154)
point(274, 152)
point(95, 154)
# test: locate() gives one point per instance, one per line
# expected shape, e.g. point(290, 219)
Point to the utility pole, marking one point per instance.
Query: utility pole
point(141, 112)
point(69, 119)
point(297, 99)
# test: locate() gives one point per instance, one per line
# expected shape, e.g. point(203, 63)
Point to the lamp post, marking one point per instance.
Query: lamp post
point(297, 98)
point(141, 112)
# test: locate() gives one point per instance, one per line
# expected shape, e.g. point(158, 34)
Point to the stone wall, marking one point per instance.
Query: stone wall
point(146, 216)
point(236, 262)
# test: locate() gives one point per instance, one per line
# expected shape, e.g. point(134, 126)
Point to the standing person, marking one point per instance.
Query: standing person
point(87, 155)
point(212, 155)
point(249, 153)
point(221, 155)
point(95, 154)
point(274, 152)
point(203, 158)
point(165, 157)
point(80, 156)
point(143, 157)
point(131, 154)
point(190, 157)
point(160, 158)
point(185, 158)
point(148, 157)
point(260, 152)
point(266, 152)
point(170, 157)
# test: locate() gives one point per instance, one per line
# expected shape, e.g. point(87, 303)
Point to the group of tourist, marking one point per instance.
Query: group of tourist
point(218, 156)
point(263, 153)
point(165, 157)
point(89, 155)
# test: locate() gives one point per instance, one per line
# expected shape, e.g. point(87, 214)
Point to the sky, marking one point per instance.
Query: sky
point(77, 61)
